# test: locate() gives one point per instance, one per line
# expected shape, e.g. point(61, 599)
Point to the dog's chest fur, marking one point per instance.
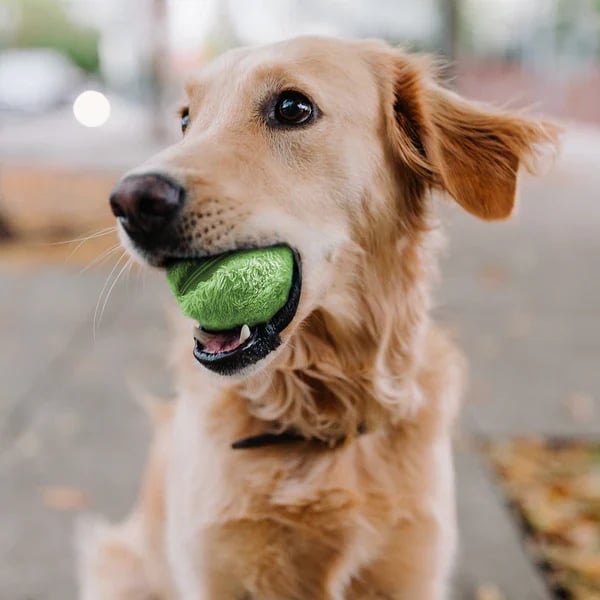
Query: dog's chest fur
point(240, 523)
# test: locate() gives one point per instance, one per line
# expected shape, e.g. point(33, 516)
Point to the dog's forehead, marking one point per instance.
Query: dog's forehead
point(327, 62)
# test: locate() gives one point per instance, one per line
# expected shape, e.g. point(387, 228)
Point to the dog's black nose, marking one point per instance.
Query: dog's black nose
point(146, 204)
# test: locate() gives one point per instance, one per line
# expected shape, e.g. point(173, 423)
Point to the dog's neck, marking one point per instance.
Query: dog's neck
point(354, 361)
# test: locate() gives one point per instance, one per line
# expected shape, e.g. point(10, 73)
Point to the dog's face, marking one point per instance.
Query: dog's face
point(315, 144)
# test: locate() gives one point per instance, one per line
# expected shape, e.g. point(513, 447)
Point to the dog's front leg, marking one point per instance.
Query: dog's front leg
point(203, 570)
point(415, 565)
point(207, 584)
point(428, 544)
point(416, 561)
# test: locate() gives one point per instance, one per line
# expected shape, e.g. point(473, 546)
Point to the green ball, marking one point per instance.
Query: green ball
point(228, 291)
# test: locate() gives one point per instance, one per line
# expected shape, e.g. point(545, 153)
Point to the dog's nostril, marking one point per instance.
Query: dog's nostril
point(115, 205)
point(145, 204)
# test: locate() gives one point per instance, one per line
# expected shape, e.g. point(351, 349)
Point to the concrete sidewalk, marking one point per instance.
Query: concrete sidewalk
point(523, 298)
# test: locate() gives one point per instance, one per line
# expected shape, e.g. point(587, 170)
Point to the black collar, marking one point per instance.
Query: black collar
point(289, 436)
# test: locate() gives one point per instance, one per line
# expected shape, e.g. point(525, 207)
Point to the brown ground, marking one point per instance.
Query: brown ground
point(555, 487)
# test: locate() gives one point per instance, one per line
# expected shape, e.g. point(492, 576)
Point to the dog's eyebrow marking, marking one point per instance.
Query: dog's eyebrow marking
point(193, 88)
point(279, 78)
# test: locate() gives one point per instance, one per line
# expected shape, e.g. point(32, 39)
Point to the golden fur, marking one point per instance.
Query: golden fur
point(373, 518)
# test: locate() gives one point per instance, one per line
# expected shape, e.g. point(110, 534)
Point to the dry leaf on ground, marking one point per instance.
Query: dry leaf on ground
point(64, 498)
point(555, 485)
point(488, 591)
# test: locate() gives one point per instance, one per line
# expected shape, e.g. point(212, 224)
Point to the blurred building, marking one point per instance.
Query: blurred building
point(141, 46)
point(135, 53)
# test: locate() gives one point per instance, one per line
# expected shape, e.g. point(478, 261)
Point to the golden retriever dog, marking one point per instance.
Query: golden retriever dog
point(310, 460)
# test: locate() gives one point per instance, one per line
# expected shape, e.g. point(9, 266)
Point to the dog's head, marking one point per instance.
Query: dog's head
point(318, 144)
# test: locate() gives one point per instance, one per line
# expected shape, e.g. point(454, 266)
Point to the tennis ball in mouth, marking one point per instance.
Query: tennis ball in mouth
point(228, 291)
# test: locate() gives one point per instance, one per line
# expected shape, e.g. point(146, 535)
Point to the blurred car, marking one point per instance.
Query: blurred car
point(35, 80)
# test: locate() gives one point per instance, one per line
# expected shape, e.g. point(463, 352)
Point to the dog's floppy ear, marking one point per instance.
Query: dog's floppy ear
point(470, 151)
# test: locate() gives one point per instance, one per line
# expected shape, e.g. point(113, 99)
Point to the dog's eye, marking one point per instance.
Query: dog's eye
point(293, 108)
point(185, 119)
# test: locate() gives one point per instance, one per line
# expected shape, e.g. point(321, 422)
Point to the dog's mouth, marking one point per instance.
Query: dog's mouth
point(230, 351)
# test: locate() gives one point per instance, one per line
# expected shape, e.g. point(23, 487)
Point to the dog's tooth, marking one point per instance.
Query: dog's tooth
point(244, 333)
point(201, 336)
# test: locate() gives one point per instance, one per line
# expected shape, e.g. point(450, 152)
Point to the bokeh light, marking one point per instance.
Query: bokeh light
point(91, 108)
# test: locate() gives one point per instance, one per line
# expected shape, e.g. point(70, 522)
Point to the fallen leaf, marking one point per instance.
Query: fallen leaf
point(555, 484)
point(581, 407)
point(488, 591)
point(64, 498)
point(493, 276)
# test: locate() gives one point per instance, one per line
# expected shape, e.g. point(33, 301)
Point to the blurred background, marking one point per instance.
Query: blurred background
point(89, 89)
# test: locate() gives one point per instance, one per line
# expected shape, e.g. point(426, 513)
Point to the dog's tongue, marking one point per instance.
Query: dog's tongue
point(221, 342)
point(214, 342)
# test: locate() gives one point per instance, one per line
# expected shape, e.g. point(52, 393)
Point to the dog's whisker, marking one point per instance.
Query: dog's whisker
point(101, 295)
point(101, 258)
point(83, 240)
point(142, 276)
point(96, 234)
point(112, 287)
point(130, 268)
